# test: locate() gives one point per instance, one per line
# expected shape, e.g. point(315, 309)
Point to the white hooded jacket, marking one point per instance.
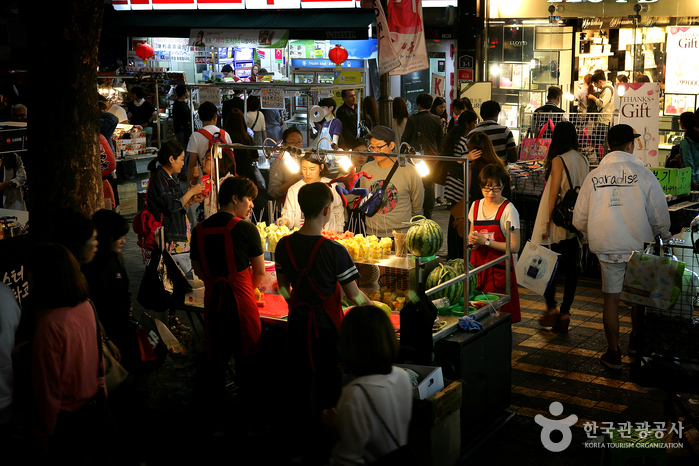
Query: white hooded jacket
point(621, 206)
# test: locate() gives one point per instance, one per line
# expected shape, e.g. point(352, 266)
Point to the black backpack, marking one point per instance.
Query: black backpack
point(562, 214)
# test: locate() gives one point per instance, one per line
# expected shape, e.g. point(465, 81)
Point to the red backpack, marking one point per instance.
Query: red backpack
point(145, 225)
point(220, 138)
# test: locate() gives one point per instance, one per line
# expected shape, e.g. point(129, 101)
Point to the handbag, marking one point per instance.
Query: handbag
point(402, 455)
point(536, 149)
point(652, 280)
point(163, 285)
point(114, 373)
point(562, 214)
point(536, 267)
point(371, 204)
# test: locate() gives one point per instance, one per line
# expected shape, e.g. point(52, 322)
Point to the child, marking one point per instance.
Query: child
point(310, 271)
point(488, 219)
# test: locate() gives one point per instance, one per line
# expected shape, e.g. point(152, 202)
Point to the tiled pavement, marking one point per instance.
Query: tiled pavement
point(548, 367)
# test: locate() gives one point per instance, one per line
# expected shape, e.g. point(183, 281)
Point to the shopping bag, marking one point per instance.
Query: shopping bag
point(652, 280)
point(536, 267)
point(536, 149)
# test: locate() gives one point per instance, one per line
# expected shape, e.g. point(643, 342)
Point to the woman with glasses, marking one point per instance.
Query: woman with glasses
point(281, 178)
point(563, 150)
point(313, 170)
point(487, 237)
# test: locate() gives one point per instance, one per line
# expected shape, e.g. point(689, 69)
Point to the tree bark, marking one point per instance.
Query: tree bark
point(64, 128)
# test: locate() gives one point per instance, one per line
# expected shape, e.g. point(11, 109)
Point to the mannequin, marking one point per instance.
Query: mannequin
point(330, 128)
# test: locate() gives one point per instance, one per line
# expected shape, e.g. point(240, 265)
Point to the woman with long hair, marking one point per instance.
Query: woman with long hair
point(562, 151)
point(314, 171)
point(439, 108)
point(246, 159)
point(583, 92)
point(481, 153)
point(379, 399)
point(400, 116)
point(689, 146)
point(370, 112)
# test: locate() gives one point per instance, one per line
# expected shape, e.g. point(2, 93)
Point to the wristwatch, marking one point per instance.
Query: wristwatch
point(487, 243)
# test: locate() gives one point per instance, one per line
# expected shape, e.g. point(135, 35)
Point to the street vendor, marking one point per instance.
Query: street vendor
point(311, 270)
point(225, 246)
point(488, 219)
point(313, 170)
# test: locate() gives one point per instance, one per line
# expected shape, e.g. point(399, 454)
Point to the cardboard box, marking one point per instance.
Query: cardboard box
point(445, 402)
point(430, 381)
point(127, 190)
point(128, 206)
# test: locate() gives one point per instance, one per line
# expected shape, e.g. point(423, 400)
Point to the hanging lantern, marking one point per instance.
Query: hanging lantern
point(144, 51)
point(338, 55)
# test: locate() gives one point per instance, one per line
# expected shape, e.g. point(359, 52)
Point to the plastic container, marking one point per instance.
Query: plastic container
point(196, 297)
point(268, 284)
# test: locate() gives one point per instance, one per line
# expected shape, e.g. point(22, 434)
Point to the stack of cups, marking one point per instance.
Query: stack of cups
point(399, 244)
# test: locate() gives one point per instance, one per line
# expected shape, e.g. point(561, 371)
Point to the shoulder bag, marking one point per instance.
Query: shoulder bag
point(402, 455)
point(562, 214)
point(371, 204)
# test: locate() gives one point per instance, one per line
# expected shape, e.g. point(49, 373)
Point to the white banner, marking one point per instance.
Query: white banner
point(639, 108)
point(408, 35)
point(437, 85)
point(682, 75)
point(176, 49)
point(253, 38)
point(388, 58)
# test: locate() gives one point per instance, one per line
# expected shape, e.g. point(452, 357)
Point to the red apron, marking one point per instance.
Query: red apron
point(240, 283)
point(493, 279)
point(332, 305)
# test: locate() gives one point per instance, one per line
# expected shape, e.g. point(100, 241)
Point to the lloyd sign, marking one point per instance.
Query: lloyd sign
point(682, 75)
point(639, 107)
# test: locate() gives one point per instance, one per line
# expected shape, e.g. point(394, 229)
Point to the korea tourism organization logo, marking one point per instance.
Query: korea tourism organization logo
point(606, 434)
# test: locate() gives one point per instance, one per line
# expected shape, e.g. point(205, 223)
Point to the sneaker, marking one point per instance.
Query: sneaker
point(611, 359)
point(632, 345)
point(175, 322)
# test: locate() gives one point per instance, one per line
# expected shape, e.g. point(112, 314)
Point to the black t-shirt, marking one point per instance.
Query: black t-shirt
point(181, 117)
point(141, 115)
point(332, 264)
point(246, 245)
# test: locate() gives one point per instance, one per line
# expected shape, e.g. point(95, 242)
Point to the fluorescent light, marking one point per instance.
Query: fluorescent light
point(535, 21)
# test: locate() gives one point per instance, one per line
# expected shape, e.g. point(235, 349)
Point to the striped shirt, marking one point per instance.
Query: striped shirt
point(500, 136)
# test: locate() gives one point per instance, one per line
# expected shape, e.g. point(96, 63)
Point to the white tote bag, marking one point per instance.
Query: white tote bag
point(536, 267)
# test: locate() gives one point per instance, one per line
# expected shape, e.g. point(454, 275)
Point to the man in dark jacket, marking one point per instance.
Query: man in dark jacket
point(347, 114)
point(424, 132)
point(551, 110)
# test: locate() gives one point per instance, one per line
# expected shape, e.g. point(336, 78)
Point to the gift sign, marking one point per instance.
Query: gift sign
point(682, 75)
point(639, 107)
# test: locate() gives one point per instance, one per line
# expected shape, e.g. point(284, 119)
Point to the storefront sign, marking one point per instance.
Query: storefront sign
point(406, 25)
point(257, 38)
point(251, 4)
point(349, 77)
point(682, 75)
point(639, 107)
point(176, 49)
point(144, 69)
point(302, 63)
point(466, 75)
point(272, 98)
point(465, 62)
point(210, 94)
point(477, 94)
point(438, 85)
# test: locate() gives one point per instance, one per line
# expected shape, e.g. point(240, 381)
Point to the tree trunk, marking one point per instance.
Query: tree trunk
point(64, 128)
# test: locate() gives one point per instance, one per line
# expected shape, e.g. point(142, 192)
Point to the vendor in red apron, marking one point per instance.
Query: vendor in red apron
point(224, 247)
point(488, 219)
point(312, 271)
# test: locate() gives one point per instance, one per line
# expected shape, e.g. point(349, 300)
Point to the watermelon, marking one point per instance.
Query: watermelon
point(458, 265)
point(424, 237)
point(441, 274)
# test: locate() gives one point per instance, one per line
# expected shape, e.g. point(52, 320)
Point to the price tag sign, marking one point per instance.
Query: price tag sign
point(210, 94)
point(272, 98)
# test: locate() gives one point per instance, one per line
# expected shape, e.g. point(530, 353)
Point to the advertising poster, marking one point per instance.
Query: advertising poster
point(437, 87)
point(414, 84)
point(682, 75)
point(477, 93)
point(388, 58)
point(408, 35)
point(256, 38)
point(639, 107)
point(177, 49)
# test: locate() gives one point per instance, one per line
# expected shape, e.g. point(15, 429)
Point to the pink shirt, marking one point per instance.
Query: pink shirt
point(65, 367)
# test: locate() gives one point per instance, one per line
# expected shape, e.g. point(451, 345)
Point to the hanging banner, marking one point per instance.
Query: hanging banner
point(682, 75)
point(255, 38)
point(388, 58)
point(407, 34)
point(176, 48)
point(639, 107)
point(437, 86)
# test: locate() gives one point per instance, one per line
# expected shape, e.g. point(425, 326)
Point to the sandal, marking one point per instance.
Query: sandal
point(562, 323)
point(549, 318)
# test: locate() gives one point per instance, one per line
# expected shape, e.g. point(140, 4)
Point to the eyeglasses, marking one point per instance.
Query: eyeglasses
point(376, 148)
point(494, 189)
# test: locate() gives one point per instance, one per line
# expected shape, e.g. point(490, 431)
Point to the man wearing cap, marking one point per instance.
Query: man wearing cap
point(620, 207)
point(403, 195)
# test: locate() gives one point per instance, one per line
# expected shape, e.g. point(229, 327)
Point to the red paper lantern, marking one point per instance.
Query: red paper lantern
point(338, 54)
point(144, 51)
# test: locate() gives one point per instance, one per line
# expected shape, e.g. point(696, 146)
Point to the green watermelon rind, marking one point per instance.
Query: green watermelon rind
point(441, 274)
point(424, 238)
point(458, 265)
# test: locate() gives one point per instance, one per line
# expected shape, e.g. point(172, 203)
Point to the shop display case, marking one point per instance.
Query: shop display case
point(676, 104)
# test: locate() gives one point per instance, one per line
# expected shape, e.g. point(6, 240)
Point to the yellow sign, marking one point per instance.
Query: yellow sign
point(348, 77)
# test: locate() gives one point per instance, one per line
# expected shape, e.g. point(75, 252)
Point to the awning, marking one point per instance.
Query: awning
point(302, 24)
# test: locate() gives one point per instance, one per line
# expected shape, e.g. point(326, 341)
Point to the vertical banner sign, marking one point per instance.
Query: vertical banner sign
point(639, 108)
point(408, 35)
point(388, 58)
point(437, 86)
point(682, 75)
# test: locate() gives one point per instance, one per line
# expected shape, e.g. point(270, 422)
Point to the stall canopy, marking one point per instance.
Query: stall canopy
point(302, 24)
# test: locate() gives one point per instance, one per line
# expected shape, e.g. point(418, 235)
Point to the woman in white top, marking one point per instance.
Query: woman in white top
point(381, 391)
point(563, 149)
point(313, 171)
point(400, 116)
